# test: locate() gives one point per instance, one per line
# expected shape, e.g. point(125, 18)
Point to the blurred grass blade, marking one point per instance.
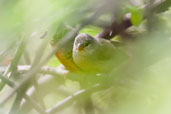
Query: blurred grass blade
point(14, 63)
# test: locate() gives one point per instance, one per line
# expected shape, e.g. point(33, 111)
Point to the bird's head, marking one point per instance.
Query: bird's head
point(84, 42)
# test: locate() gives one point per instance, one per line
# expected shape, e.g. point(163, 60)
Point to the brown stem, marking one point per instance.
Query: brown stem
point(116, 28)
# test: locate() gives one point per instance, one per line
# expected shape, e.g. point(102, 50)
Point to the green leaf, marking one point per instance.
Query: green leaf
point(136, 16)
point(91, 30)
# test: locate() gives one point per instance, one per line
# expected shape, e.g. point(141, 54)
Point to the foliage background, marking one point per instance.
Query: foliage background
point(142, 87)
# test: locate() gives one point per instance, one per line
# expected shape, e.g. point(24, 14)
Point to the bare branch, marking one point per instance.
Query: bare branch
point(43, 70)
point(34, 104)
point(28, 99)
point(7, 81)
point(67, 101)
point(116, 28)
point(26, 57)
point(13, 65)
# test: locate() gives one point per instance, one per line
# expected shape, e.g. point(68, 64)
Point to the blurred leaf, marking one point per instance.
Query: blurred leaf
point(164, 6)
point(136, 16)
point(91, 30)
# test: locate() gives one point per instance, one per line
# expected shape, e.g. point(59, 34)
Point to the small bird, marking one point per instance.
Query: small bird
point(95, 54)
point(64, 54)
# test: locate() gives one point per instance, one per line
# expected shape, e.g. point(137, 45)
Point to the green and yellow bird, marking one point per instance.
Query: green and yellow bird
point(94, 54)
point(88, 54)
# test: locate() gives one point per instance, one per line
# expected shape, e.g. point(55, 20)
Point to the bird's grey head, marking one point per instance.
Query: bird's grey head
point(84, 42)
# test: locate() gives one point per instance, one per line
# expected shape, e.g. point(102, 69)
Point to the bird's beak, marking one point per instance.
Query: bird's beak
point(80, 46)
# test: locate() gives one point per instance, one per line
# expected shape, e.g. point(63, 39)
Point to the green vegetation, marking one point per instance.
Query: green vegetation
point(130, 40)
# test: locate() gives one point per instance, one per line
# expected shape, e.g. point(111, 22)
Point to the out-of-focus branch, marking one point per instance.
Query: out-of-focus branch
point(5, 52)
point(38, 95)
point(26, 57)
point(116, 28)
point(43, 70)
point(16, 104)
point(67, 101)
point(28, 99)
point(34, 105)
point(7, 81)
point(13, 65)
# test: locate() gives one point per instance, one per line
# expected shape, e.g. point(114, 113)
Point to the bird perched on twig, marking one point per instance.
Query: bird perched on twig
point(86, 53)
point(95, 54)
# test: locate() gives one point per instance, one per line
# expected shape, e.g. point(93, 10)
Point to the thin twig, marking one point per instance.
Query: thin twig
point(26, 57)
point(34, 105)
point(67, 101)
point(38, 95)
point(116, 28)
point(13, 65)
point(28, 99)
point(44, 70)
point(18, 99)
point(37, 60)
point(5, 52)
point(7, 81)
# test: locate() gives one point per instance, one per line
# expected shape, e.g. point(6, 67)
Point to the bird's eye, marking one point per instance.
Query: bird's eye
point(81, 46)
point(86, 44)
